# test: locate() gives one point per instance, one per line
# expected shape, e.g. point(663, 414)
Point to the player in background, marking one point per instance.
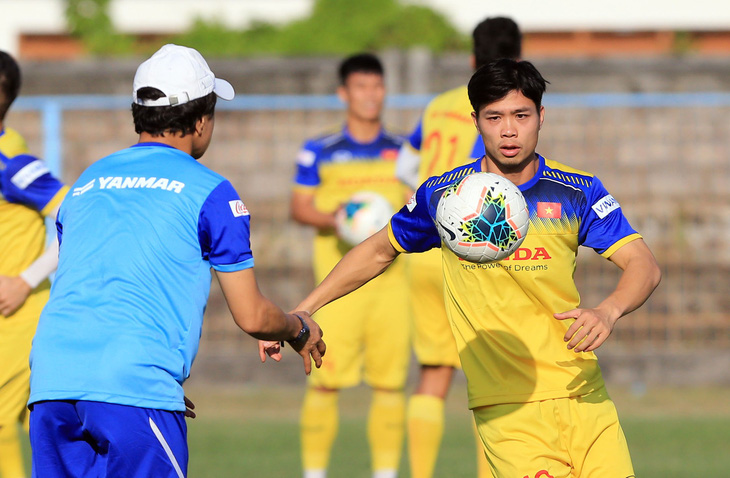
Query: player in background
point(368, 332)
point(443, 139)
point(28, 193)
point(138, 235)
point(525, 341)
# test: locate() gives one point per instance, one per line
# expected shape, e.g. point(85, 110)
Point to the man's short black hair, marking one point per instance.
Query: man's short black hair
point(497, 79)
point(496, 38)
point(157, 120)
point(9, 82)
point(360, 63)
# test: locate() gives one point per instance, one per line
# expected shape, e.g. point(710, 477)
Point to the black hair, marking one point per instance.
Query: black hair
point(497, 79)
point(360, 63)
point(157, 120)
point(496, 38)
point(9, 82)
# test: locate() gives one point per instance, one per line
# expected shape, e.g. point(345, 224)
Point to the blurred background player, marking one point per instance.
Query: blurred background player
point(138, 237)
point(28, 193)
point(526, 342)
point(368, 333)
point(443, 139)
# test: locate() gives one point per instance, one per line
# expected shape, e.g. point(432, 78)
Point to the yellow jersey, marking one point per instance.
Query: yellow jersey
point(28, 192)
point(501, 313)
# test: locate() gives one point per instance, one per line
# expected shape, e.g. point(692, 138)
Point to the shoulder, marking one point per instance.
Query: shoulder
point(393, 137)
point(12, 143)
point(327, 138)
point(566, 175)
point(453, 98)
point(450, 177)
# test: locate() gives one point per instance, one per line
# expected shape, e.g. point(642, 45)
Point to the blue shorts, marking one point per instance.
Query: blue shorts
point(80, 439)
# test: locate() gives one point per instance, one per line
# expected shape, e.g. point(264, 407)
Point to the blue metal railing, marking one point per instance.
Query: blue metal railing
point(51, 108)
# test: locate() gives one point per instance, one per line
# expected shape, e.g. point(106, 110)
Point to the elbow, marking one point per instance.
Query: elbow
point(655, 274)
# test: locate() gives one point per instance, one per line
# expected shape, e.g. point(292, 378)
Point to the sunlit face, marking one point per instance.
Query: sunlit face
point(509, 128)
point(202, 136)
point(364, 94)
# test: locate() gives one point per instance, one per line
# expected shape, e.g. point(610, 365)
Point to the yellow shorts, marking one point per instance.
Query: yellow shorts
point(367, 334)
point(16, 335)
point(433, 340)
point(559, 438)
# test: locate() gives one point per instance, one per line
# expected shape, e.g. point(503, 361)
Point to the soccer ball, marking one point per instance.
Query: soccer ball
point(364, 214)
point(482, 218)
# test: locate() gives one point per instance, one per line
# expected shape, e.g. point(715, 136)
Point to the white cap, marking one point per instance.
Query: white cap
point(182, 74)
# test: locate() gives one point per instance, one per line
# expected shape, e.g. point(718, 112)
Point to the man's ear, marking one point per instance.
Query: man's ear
point(200, 125)
point(476, 123)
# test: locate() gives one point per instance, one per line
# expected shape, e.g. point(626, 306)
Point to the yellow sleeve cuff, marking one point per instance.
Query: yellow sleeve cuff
point(620, 243)
point(394, 241)
point(55, 201)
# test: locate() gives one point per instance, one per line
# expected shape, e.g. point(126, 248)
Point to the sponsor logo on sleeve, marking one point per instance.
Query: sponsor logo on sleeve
point(29, 173)
point(411, 204)
point(306, 157)
point(605, 205)
point(238, 208)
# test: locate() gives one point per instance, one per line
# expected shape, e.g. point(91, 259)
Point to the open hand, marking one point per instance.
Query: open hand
point(13, 292)
point(590, 329)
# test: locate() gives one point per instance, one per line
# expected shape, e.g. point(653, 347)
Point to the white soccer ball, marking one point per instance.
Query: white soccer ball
point(364, 214)
point(482, 218)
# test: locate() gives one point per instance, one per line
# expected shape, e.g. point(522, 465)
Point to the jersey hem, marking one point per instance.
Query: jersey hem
point(536, 397)
point(170, 405)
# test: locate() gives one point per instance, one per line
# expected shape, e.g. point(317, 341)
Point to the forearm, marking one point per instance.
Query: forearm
point(638, 280)
point(312, 217)
point(269, 322)
point(360, 265)
point(42, 267)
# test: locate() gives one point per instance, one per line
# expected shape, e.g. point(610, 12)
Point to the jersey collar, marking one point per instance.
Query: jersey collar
point(347, 135)
point(528, 184)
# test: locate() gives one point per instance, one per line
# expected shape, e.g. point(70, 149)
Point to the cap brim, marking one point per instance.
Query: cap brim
point(223, 89)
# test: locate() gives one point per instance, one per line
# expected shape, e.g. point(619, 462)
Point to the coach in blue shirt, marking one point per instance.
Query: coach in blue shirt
point(139, 232)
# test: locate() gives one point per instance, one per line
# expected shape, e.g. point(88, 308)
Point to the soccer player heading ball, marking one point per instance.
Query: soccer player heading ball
point(139, 233)
point(525, 343)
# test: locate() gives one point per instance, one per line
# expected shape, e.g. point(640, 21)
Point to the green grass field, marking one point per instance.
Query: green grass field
point(253, 432)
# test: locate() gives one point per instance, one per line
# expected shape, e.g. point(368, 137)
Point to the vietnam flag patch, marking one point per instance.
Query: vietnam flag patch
point(549, 210)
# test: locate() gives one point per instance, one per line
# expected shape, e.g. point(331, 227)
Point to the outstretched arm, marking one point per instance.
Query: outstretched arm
point(362, 263)
point(259, 317)
point(640, 277)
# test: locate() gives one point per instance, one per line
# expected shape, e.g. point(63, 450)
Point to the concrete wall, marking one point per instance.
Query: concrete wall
point(668, 167)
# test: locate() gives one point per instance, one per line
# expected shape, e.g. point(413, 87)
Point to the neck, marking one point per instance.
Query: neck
point(176, 140)
point(362, 130)
point(518, 174)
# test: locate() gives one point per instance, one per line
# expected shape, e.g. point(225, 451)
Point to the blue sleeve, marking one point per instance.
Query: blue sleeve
point(413, 226)
point(416, 137)
point(307, 165)
point(28, 181)
point(602, 222)
point(224, 230)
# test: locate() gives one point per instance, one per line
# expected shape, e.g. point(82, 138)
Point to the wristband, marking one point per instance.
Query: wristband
point(302, 333)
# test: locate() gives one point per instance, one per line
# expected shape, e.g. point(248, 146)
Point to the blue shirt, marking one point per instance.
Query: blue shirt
point(139, 232)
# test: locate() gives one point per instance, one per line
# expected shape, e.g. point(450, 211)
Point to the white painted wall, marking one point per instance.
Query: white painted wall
point(139, 16)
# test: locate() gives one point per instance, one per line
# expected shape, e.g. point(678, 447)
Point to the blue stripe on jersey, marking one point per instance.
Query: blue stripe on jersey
point(416, 137)
point(141, 229)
